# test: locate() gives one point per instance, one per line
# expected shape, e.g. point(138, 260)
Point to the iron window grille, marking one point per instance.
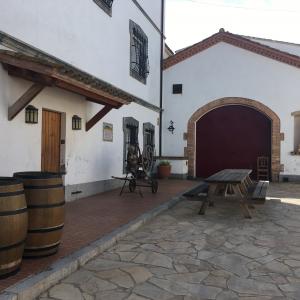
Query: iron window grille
point(149, 133)
point(139, 62)
point(131, 132)
point(106, 5)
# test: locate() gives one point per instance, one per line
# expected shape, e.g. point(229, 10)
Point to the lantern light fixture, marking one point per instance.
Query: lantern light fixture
point(76, 123)
point(171, 128)
point(31, 114)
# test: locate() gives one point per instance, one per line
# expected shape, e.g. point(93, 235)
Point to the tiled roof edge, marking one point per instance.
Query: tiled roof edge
point(235, 40)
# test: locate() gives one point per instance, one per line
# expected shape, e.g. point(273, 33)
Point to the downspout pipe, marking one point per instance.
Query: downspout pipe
point(161, 74)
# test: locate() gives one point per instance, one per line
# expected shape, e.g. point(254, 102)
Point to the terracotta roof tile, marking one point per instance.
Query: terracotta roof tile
point(235, 40)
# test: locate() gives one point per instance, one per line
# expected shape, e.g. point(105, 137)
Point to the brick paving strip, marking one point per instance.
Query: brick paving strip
point(92, 225)
point(180, 255)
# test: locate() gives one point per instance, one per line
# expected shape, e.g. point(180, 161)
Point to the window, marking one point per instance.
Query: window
point(177, 88)
point(148, 134)
point(106, 5)
point(131, 132)
point(139, 63)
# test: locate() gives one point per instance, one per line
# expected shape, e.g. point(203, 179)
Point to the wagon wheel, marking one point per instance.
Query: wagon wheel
point(147, 158)
point(132, 185)
point(154, 186)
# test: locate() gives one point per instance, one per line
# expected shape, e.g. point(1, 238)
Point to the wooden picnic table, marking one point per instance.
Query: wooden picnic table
point(229, 182)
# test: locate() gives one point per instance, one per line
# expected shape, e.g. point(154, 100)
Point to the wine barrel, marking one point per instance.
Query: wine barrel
point(45, 201)
point(13, 225)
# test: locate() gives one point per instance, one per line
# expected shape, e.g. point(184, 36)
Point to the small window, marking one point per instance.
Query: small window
point(106, 5)
point(131, 133)
point(177, 88)
point(296, 132)
point(139, 63)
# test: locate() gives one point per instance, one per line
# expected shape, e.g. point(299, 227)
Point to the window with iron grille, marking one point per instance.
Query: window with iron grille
point(106, 5)
point(139, 63)
point(148, 135)
point(131, 132)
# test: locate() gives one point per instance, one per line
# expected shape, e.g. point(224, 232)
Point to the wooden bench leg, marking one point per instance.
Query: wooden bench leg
point(212, 189)
point(243, 202)
point(203, 207)
point(229, 190)
point(243, 188)
point(248, 181)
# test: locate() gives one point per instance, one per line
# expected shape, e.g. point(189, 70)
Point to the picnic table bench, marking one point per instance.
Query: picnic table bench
point(259, 192)
point(231, 182)
point(200, 190)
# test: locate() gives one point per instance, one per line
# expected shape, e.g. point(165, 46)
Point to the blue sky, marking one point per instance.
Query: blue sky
point(190, 21)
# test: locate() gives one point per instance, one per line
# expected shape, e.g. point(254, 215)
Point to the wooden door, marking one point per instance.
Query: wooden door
point(51, 132)
point(231, 137)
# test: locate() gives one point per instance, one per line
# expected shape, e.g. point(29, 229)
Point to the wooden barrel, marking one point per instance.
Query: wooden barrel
point(13, 225)
point(45, 201)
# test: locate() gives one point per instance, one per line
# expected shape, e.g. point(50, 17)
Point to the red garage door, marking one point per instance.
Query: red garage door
point(231, 137)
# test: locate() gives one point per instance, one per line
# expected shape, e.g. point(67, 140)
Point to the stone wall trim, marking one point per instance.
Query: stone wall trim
point(275, 135)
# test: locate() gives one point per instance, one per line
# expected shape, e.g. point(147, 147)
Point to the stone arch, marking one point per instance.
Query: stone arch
point(275, 135)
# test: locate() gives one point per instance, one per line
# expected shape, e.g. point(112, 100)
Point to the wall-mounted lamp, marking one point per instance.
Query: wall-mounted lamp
point(171, 128)
point(31, 114)
point(76, 123)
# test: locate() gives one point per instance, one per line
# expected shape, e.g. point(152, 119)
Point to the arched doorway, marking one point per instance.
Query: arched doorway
point(231, 137)
point(232, 101)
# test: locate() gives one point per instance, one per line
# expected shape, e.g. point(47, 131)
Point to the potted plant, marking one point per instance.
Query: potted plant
point(164, 169)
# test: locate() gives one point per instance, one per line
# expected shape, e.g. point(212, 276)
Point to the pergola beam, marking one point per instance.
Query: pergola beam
point(24, 100)
point(105, 110)
point(43, 73)
point(29, 75)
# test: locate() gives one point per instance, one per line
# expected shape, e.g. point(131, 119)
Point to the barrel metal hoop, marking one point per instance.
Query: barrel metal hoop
point(10, 265)
point(42, 248)
point(43, 187)
point(13, 212)
point(4, 248)
point(10, 194)
point(46, 205)
point(40, 230)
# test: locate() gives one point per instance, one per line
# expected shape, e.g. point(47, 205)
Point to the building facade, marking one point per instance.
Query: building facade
point(91, 73)
point(232, 99)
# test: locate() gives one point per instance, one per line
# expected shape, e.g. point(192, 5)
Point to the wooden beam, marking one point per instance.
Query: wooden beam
point(24, 100)
point(97, 117)
point(38, 72)
point(116, 105)
point(29, 75)
point(86, 91)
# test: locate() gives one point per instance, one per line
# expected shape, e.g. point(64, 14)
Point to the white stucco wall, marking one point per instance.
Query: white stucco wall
point(82, 34)
point(227, 71)
point(88, 157)
point(85, 36)
point(153, 9)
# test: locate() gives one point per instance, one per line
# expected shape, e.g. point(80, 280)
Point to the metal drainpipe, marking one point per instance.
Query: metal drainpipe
point(161, 74)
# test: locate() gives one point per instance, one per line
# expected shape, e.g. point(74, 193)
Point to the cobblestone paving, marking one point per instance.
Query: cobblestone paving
point(183, 256)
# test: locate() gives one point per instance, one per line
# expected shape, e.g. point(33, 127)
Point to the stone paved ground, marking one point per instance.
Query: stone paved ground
point(89, 219)
point(183, 256)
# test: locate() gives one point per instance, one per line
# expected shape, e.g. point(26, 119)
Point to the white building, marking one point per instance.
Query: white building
point(233, 98)
point(99, 60)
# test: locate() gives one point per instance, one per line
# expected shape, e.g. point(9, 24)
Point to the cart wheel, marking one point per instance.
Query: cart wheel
point(132, 185)
point(154, 186)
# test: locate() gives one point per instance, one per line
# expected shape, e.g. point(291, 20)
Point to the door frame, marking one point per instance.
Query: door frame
point(275, 131)
point(62, 132)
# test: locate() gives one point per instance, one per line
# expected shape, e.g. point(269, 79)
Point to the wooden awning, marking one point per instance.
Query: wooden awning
point(47, 74)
